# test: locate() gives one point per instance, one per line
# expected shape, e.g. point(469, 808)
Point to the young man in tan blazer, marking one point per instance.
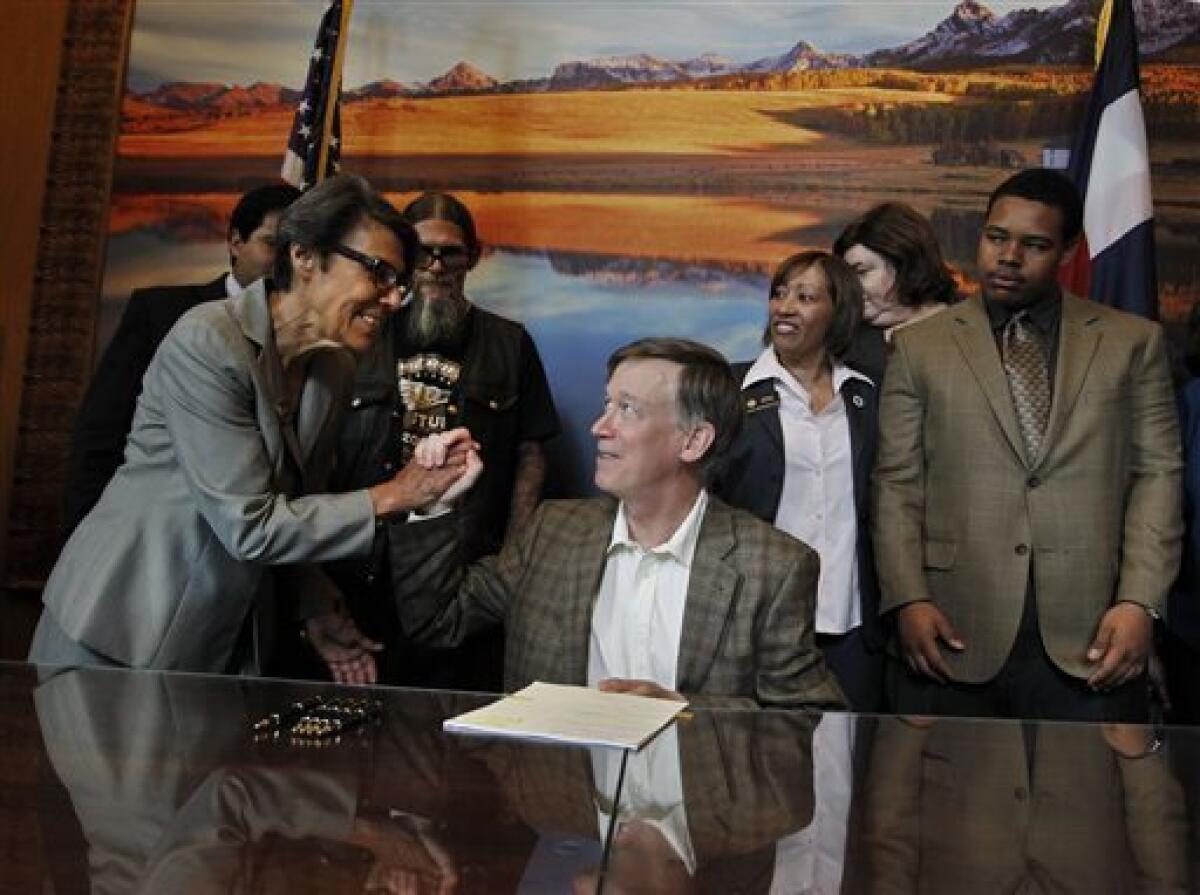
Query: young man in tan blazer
point(1027, 522)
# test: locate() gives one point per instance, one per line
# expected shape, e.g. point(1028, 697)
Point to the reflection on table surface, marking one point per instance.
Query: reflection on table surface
point(138, 782)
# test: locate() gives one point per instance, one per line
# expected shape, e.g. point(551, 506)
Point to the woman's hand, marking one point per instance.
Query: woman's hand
point(440, 461)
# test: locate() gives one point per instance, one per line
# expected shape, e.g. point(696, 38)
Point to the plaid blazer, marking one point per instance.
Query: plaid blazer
point(962, 517)
point(748, 625)
point(747, 782)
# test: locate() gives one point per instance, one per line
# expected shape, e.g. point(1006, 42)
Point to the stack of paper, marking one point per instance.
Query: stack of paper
point(578, 716)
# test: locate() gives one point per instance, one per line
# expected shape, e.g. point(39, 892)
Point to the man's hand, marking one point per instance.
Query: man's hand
point(472, 470)
point(1121, 646)
point(343, 648)
point(1129, 740)
point(440, 462)
point(639, 688)
point(920, 626)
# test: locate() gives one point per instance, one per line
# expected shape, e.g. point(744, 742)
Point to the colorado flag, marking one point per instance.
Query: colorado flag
point(1110, 163)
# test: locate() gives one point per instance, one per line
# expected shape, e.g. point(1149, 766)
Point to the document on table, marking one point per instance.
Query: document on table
point(578, 716)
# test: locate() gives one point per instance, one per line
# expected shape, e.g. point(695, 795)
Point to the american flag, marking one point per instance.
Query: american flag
point(314, 129)
point(1110, 163)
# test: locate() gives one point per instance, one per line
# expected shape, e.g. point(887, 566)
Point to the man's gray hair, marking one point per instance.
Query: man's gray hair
point(708, 391)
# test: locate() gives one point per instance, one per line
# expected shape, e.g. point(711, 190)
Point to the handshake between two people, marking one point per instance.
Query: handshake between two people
point(444, 467)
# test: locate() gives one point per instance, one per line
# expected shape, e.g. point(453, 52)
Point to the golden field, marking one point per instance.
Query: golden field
point(621, 122)
point(635, 141)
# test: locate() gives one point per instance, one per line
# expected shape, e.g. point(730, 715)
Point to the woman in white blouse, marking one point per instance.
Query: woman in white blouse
point(803, 459)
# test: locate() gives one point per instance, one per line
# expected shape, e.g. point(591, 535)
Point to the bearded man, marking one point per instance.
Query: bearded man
point(444, 362)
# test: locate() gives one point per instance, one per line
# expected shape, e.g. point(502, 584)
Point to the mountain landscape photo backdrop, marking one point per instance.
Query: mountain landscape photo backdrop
point(638, 167)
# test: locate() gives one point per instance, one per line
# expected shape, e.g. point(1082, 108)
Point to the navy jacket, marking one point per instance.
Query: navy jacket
point(753, 477)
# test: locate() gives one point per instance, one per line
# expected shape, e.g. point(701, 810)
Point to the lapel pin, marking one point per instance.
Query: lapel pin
point(858, 401)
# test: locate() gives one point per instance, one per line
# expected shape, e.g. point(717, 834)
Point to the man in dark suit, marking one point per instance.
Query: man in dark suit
point(657, 588)
point(1027, 485)
point(98, 442)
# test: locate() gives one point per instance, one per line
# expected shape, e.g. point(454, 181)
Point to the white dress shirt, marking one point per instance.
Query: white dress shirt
point(812, 861)
point(232, 286)
point(652, 791)
point(817, 501)
point(637, 621)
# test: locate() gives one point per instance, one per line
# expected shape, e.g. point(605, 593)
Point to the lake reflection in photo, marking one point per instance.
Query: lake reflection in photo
point(578, 308)
point(587, 273)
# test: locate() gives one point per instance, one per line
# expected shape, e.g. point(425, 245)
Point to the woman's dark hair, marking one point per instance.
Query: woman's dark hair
point(845, 291)
point(324, 216)
point(905, 238)
point(444, 207)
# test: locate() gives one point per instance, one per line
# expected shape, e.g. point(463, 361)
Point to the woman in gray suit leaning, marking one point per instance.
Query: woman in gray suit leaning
point(230, 449)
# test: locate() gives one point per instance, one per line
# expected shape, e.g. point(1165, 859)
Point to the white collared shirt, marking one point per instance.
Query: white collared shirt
point(817, 501)
point(637, 621)
point(232, 286)
point(813, 860)
point(652, 791)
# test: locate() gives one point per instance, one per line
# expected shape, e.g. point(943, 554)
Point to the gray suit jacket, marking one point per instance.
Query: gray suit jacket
point(130, 749)
point(747, 626)
point(962, 517)
point(162, 573)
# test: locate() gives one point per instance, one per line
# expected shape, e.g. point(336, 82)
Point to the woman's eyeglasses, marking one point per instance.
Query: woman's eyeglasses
point(385, 276)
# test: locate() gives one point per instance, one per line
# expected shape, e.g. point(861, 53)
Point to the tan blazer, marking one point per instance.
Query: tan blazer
point(748, 625)
point(962, 517)
point(973, 807)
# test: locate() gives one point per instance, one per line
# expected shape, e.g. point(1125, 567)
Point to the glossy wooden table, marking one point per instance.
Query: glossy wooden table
point(136, 782)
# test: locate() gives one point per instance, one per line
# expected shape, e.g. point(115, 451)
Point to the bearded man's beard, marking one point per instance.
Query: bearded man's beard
point(429, 321)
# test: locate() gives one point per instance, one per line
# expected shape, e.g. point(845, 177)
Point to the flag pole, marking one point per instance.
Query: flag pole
point(335, 87)
point(1103, 21)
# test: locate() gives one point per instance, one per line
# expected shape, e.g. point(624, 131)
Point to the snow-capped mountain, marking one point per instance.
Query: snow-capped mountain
point(708, 64)
point(1163, 24)
point(638, 68)
point(802, 57)
point(973, 31)
point(643, 68)
point(1059, 34)
point(971, 35)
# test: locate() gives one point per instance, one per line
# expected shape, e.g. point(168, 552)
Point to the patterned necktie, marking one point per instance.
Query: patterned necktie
point(1028, 379)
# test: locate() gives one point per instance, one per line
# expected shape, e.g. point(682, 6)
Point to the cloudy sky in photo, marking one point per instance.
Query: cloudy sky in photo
point(242, 41)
